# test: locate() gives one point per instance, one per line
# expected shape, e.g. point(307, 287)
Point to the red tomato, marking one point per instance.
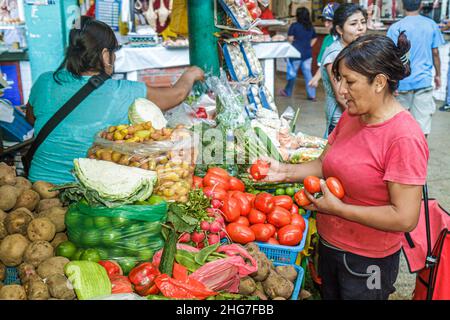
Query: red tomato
point(197, 182)
point(240, 233)
point(262, 231)
point(251, 198)
point(312, 184)
point(243, 220)
point(259, 169)
point(231, 209)
point(335, 187)
point(273, 241)
point(283, 201)
point(294, 209)
point(263, 202)
point(298, 220)
point(256, 216)
point(211, 180)
point(290, 235)
point(279, 217)
point(243, 202)
point(236, 184)
point(215, 193)
point(301, 199)
point(219, 172)
point(272, 228)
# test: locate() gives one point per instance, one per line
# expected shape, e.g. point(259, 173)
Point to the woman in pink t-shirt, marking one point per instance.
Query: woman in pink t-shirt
point(380, 155)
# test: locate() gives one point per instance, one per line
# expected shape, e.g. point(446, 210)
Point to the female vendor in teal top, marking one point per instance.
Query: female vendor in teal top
point(91, 50)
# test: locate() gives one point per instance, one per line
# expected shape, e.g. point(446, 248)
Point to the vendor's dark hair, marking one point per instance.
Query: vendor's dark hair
point(86, 43)
point(411, 5)
point(303, 17)
point(343, 13)
point(371, 55)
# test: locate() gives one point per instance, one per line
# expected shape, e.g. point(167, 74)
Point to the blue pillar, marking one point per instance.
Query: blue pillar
point(48, 27)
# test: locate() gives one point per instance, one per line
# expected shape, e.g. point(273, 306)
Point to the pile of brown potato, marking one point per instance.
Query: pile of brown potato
point(31, 227)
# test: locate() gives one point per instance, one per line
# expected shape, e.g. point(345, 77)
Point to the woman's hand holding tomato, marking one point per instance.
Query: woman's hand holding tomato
point(328, 203)
point(274, 172)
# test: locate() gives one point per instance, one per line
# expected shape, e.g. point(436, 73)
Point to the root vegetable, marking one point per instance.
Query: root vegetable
point(41, 229)
point(60, 287)
point(247, 286)
point(51, 266)
point(59, 238)
point(13, 292)
point(37, 252)
point(43, 188)
point(7, 175)
point(18, 220)
point(252, 248)
point(23, 184)
point(28, 199)
point(259, 292)
point(56, 216)
point(8, 197)
point(46, 204)
point(37, 290)
point(2, 272)
point(2, 215)
point(264, 265)
point(287, 272)
point(27, 272)
point(278, 298)
point(12, 249)
point(3, 231)
point(277, 286)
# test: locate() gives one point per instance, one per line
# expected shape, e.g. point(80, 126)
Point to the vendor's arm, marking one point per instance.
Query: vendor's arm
point(29, 115)
point(334, 84)
point(400, 216)
point(167, 98)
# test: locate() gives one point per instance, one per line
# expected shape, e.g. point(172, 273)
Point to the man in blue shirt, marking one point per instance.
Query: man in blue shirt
point(416, 91)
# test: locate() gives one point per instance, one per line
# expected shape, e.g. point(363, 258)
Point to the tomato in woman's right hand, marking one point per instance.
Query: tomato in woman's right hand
point(335, 187)
point(290, 235)
point(312, 184)
point(301, 199)
point(259, 169)
point(240, 233)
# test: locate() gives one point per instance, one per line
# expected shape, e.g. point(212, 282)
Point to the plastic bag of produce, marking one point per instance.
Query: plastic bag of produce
point(189, 115)
point(170, 152)
point(127, 234)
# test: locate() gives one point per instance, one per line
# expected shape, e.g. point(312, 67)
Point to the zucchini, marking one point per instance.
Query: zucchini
point(168, 256)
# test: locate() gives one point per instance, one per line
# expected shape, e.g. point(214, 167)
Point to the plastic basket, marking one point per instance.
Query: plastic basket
point(12, 276)
point(298, 283)
point(283, 254)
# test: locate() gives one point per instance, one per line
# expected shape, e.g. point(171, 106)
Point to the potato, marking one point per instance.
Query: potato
point(2, 272)
point(7, 175)
point(41, 229)
point(46, 204)
point(2, 215)
point(37, 290)
point(277, 286)
point(278, 298)
point(27, 272)
point(60, 287)
point(43, 188)
point(3, 231)
point(287, 272)
point(56, 216)
point(252, 248)
point(28, 199)
point(260, 294)
point(23, 184)
point(13, 292)
point(264, 265)
point(53, 265)
point(59, 238)
point(37, 252)
point(18, 220)
point(246, 286)
point(12, 249)
point(8, 197)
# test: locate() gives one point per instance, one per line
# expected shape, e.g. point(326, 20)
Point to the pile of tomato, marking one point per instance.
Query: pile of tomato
point(249, 217)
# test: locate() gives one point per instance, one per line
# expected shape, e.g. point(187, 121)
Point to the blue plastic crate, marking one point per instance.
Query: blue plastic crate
point(12, 276)
point(298, 282)
point(18, 129)
point(284, 254)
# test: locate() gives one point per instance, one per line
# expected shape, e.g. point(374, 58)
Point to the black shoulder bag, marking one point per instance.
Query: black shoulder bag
point(94, 83)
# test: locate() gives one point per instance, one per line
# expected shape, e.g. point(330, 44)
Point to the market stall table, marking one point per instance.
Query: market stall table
point(130, 60)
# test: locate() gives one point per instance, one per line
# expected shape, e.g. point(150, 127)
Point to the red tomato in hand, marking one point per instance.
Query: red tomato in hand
point(301, 199)
point(259, 169)
point(211, 180)
point(263, 202)
point(294, 209)
point(243, 202)
point(335, 187)
point(298, 220)
point(290, 235)
point(219, 172)
point(283, 201)
point(215, 193)
point(236, 184)
point(243, 220)
point(256, 216)
point(240, 233)
point(279, 217)
point(231, 209)
point(262, 231)
point(251, 198)
point(312, 184)
point(197, 182)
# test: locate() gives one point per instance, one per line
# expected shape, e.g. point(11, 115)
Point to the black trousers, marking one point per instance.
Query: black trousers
point(347, 276)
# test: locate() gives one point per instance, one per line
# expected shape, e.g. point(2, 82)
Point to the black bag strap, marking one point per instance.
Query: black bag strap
point(430, 259)
point(94, 83)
